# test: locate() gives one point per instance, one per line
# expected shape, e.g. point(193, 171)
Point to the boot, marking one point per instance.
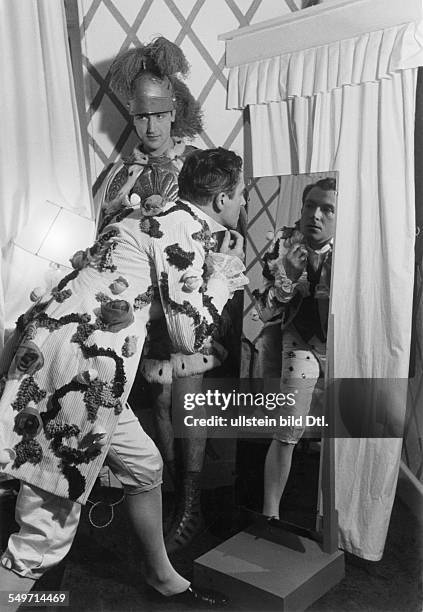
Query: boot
point(169, 515)
point(188, 519)
point(172, 471)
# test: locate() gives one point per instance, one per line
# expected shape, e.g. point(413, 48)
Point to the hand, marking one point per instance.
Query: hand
point(212, 347)
point(243, 221)
point(233, 244)
point(295, 261)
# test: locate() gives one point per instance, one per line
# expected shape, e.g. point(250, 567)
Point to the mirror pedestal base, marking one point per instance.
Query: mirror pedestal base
point(261, 572)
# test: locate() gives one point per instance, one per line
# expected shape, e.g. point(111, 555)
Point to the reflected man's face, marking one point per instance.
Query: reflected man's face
point(317, 222)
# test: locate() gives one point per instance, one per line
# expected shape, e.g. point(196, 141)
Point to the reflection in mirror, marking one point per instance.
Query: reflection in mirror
point(289, 258)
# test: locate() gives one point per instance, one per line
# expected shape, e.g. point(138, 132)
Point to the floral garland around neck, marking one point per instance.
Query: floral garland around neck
point(176, 152)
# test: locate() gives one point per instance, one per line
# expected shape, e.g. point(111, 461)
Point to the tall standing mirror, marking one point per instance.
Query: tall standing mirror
point(291, 225)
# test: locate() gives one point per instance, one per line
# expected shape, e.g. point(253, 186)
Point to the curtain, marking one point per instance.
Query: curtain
point(370, 57)
point(41, 156)
point(351, 108)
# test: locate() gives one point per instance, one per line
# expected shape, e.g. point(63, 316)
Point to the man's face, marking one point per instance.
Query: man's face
point(153, 130)
point(317, 221)
point(230, 213)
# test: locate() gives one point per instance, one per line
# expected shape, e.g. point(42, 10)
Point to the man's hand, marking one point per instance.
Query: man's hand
point(295, 261)
point(233, 244)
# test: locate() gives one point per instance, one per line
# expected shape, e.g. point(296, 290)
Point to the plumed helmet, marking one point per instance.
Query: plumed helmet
point(151, 94)
point(146, 78)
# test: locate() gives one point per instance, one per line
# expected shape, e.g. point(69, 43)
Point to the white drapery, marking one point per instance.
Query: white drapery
point(349, 106)
point(41, 157)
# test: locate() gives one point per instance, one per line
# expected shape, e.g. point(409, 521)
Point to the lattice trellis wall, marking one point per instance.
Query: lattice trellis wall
point(108, 27)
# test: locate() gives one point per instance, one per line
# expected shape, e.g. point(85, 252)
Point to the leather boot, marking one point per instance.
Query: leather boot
point(173, 473)
point(188, 519)
point(170, 515)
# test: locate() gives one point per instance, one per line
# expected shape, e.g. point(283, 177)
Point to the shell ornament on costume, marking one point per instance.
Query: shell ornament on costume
point(156, 188)
point(36, 294)
point(119, 285)
point(191, 282)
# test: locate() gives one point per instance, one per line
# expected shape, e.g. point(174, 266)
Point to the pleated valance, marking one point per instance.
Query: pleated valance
point(369, 57)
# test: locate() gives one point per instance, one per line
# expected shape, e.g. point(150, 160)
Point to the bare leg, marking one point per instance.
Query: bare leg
point(276, 472)
point(162, 420)
point(162, 394)
point(145, 511)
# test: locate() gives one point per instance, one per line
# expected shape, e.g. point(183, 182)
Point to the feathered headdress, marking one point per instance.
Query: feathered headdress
point(146, 78)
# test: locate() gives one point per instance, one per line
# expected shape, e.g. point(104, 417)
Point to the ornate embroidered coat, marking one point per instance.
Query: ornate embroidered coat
point(69, 367)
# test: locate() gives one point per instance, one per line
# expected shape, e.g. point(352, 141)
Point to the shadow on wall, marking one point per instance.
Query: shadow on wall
point(113, 121)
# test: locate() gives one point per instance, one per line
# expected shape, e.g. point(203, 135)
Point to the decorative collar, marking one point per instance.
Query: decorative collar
point(172, 153)
point(324, 249)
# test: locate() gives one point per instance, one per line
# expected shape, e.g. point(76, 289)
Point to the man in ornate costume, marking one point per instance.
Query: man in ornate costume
point(294, 304)
point(164, 113)
point(67, 371)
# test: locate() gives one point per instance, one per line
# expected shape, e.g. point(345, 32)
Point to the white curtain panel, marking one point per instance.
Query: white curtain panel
point(350, 107)
point(41, 156)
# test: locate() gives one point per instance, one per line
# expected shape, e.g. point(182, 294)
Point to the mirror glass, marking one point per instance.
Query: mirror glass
point(291, 224)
